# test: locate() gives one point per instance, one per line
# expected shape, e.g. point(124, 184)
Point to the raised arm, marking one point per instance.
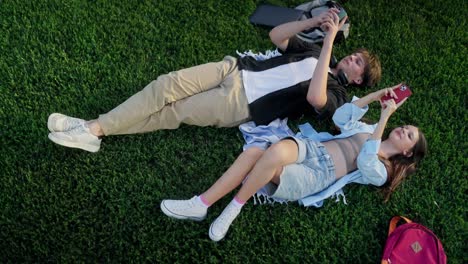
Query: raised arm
point(388, 107)
point(281, 34)
point(348, 115)
point(373, 171)
point(375, 96)
point(317, 93)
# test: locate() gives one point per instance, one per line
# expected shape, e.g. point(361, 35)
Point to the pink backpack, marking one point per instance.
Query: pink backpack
point(412, 243)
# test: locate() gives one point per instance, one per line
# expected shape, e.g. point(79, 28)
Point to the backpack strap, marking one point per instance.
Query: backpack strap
point(394, 222)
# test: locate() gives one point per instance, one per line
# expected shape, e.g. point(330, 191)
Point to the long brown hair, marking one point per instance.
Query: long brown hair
point(400, 166)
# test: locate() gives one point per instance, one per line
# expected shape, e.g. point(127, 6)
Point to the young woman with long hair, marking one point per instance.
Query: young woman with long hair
point(301, 167)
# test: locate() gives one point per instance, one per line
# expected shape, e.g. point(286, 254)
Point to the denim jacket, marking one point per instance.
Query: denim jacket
point(370, 169)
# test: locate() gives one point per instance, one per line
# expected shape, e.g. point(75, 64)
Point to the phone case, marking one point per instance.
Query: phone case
point(403, 91)
point(342, 14)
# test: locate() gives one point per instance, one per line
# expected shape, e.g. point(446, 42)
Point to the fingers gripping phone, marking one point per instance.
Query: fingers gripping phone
point(403, 91)
point(342, 14)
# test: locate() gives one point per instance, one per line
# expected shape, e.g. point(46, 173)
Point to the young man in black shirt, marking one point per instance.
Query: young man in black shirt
point(233, 91)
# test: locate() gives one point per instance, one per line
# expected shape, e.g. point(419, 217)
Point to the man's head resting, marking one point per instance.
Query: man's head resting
point(362, 68)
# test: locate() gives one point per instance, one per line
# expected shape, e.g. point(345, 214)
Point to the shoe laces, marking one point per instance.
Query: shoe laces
point(71, 122)
point(185, 204)
point(79, 130)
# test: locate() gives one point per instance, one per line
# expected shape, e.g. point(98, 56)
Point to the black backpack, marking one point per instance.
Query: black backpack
point(315, 8)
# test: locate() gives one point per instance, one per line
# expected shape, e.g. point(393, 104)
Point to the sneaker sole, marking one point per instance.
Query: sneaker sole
point(213, 237)
point(87, 147)
point(167, 212)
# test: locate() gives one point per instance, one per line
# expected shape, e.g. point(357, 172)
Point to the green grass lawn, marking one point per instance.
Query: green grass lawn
point(83, 58)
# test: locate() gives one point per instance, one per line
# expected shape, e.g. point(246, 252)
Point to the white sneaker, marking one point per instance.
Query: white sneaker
point(220, 226)
point(59, 123)
point(184, 209)
point(78, 137)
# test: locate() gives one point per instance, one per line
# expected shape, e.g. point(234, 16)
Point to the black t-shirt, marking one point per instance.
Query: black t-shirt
point(292, 101)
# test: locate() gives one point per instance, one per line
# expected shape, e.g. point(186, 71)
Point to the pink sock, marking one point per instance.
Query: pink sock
point(203, 200)
point(238, 202)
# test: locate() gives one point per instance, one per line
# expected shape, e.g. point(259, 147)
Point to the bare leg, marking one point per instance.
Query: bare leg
point(95, 128)
point(196, 208)
point(234, 176)
point(269, 167)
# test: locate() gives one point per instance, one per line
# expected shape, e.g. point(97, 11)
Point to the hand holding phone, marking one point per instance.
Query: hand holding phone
point(402, 91)
point(342, 13)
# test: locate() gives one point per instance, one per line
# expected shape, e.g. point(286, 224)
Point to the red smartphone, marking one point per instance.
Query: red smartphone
point(403, 91)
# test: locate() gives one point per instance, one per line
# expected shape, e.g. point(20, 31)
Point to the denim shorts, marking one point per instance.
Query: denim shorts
point(313, 171)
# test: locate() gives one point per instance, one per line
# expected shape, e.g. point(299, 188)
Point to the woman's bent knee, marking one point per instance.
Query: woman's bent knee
point(283, 152)
point(254, 151)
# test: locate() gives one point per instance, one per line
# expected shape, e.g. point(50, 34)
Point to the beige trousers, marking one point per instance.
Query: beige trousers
point(211, 94)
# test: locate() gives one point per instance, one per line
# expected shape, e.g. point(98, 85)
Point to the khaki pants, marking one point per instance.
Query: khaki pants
point(211, 94)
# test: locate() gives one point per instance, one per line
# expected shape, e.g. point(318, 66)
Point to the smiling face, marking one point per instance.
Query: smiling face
point(353, 65)
point(404, 138)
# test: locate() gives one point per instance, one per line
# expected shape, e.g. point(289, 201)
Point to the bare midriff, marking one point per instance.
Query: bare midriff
point(344, 152)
